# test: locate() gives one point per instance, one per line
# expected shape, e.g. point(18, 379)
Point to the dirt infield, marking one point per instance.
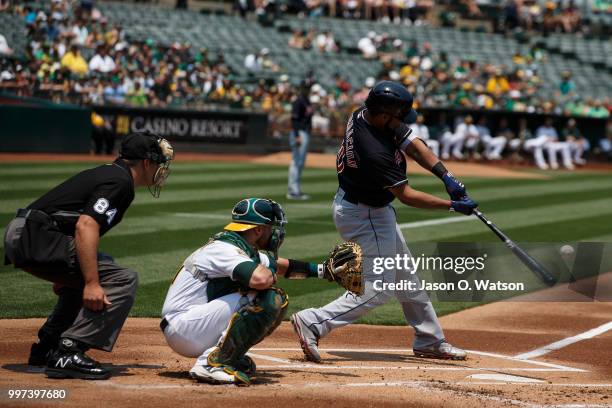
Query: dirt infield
point(363, 365)
point(314, 160)
point(464, 169)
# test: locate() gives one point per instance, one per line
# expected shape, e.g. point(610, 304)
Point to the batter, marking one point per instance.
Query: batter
point(371, 174)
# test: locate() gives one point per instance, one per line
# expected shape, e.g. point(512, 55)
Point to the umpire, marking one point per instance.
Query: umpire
point(56, 238)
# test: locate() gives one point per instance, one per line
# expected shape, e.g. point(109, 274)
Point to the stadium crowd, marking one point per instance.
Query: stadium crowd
point(75, 55)
point(117, 71)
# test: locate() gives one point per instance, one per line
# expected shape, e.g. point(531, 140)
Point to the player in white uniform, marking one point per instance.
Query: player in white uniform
point(466, 135)
point(222, 301)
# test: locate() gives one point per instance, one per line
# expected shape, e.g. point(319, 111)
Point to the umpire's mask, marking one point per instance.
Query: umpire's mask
point(141, 146)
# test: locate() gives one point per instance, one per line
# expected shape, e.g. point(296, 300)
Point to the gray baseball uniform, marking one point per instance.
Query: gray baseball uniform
point(368, 165)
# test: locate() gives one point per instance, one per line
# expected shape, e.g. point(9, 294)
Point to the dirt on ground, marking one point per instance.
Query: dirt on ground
point(313, 160)
point(362, 365)
point(463, 169)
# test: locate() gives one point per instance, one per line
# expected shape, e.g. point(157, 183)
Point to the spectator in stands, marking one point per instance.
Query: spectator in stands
point(367, 47)
point(79, 32)
point(325, 42)
point(297, 39)
point(114, 93)
point(101, 62)
point(511, 14)
point(254, 62)
point(566, 86)
point(74, 61)
point(497, 83)
point(598, 110)
point(420, 129)
point(569, 18)
point(137, 96)
point(4, 5)
point(578, 143)
point(4, 47)
point(243, 7)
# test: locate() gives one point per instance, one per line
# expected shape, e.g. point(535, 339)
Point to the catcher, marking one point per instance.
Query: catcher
point(223, 300)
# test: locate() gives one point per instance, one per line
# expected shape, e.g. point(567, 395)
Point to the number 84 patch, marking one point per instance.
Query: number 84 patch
point(101, 207)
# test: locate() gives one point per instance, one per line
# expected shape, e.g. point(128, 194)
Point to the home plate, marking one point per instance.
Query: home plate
point(504, 377)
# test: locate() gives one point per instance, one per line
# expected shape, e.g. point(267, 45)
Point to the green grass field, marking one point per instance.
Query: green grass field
point(156, 235)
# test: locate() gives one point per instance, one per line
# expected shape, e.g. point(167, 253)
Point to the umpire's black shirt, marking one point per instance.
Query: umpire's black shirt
point(104, 193)
point(369, 163)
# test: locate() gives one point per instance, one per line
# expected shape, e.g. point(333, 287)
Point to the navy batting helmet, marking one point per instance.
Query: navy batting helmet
point(392, 98)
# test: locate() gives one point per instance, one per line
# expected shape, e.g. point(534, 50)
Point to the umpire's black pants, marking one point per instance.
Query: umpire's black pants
point(69, 318)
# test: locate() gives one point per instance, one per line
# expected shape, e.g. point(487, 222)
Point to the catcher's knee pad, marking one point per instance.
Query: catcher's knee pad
point(250, 325)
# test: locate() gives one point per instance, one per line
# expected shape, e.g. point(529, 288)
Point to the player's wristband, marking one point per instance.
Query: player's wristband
point(312, 270)
point(439, 170)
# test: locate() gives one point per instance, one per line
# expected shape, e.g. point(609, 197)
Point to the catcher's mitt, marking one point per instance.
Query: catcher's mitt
point(344, 265)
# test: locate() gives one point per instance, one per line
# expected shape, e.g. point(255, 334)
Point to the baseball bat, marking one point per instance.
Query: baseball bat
point(533, 265)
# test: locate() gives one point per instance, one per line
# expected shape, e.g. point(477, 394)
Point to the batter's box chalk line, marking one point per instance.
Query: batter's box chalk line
point(288, 364)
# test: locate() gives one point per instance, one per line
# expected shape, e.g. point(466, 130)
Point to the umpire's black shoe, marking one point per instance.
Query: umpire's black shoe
point(71, 362)
point(39, 354)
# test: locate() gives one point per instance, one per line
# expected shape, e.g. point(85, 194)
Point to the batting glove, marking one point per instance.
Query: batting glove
point(465, 205)
point(454, 188)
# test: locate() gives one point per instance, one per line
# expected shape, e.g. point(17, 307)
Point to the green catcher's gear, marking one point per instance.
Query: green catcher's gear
point(249, 326)
point(251, 212)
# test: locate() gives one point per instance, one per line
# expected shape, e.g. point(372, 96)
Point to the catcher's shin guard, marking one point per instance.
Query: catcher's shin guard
point(249, 326)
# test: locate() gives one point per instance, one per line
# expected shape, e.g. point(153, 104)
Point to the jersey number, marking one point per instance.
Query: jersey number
point(110, 214)
point(101, 205)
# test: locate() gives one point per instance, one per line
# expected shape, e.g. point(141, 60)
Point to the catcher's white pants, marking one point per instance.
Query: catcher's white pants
point(376, 231)
point(197, 331)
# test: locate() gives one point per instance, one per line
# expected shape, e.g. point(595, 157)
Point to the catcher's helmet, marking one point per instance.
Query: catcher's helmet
point(391, 98)
point(251, 212)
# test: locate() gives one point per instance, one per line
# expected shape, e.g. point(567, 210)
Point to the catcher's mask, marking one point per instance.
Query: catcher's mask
point(152, 147)
point(251, 212)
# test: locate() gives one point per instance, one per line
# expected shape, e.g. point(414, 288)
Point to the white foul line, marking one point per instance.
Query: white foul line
point(437, 221)
point(565, 342)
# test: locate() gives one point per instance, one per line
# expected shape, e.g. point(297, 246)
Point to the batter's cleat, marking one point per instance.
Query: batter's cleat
point(39, 354)
point(70, 362)
point(308, 339)
point(441, 350)
point(246, 365)
point(219, 375)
